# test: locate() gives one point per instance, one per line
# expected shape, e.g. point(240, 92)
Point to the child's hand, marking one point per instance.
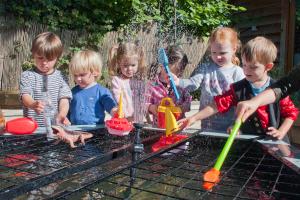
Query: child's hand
point(229, 130)
point(275, 133)
point(153, 109)
point(62, 120)
point(37, 106)
point(175, 78)
point(114, 112)
point(186, 122)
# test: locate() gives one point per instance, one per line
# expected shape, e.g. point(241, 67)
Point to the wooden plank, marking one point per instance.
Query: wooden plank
point(261, 30)
point(10, 100)
point(290, 38)
point(262, 12)
point(254, 5)
point(286, 60)
point(260, 21)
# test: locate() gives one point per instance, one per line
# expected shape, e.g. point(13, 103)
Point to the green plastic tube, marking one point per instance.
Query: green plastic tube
point(228, 144)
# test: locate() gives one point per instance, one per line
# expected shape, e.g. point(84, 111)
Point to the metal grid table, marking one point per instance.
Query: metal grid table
point(30, 162)
point(249, 172)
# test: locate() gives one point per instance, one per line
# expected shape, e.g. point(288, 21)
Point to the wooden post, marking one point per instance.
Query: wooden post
point(288, 34)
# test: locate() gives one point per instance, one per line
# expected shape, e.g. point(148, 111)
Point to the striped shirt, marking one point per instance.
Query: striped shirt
point(32, 83)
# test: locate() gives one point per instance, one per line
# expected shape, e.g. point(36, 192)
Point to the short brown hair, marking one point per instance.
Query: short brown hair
point(86, 61)
point(260, 49)
point(47, 44)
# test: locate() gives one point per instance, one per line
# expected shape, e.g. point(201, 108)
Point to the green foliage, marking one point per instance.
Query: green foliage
point(96, 17)
point(201, 16)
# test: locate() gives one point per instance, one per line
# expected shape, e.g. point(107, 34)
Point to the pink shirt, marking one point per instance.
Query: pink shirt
point(118, 85)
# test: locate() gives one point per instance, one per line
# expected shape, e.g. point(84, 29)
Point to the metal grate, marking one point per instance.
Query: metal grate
point(249, 172)
point(30, 162)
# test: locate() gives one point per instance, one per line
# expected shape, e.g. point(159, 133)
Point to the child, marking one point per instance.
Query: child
point(275, 120)
point(90, 99)
point(126, 62)
point(43, 80)
point(159, 88)
point(285, 86)
point(215, 78)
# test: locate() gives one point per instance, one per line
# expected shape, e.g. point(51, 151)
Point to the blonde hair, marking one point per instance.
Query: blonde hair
point(260, 49)
point(47, 44)
point(222, 34)
point(123, 50)
point(86, 61)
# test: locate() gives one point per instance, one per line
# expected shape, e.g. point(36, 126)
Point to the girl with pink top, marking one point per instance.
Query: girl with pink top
point(160, 87)
point(126, 62)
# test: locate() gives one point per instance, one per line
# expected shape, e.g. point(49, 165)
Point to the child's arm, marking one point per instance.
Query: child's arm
point(153, 109)
point(202, 114)
point(222, 103)
point(289, 112)
point(114, 111)
point(246, 108)
point(29, 102)
point(63, 109)
point(192, 83)
point(282, 130)
point(283, 87)
point(116, 88)
point(287, 85)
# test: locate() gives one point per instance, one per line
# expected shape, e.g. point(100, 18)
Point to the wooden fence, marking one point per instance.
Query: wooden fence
point(15, 43)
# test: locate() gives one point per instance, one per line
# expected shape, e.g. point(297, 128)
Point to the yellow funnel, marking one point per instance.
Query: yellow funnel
point(171, 124)
point(120, 107)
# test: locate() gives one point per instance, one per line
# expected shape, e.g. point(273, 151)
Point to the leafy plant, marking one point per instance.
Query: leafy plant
point(94, 18)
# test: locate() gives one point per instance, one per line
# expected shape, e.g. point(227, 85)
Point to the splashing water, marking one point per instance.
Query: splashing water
point(140, 98)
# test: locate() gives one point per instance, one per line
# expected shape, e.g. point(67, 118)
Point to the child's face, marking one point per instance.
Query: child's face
point(254, 71)
point(129, 66)
point(222, 53)
point(43, 65)
point(84, 79)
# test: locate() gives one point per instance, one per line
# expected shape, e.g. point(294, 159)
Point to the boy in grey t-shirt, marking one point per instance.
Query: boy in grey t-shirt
point(43, 80)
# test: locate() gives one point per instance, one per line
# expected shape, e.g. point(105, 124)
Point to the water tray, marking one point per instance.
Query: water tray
point(249, 172)
point(30, 162)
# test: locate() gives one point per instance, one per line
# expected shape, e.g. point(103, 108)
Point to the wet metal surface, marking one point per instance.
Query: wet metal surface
point(34, 168)
point(249, 172)
point(29, 162)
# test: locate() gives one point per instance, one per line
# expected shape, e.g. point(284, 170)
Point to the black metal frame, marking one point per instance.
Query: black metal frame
point(181, 174)
point(55, 160)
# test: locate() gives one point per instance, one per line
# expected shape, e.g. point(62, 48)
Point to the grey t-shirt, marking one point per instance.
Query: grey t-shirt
point(213, 80)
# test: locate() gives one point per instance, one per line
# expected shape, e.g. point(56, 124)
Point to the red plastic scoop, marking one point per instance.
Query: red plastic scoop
point(212, 176)
point(21, 126)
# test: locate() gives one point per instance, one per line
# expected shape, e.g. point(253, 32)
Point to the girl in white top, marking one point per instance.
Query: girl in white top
point(126, 65)
point(215, 77)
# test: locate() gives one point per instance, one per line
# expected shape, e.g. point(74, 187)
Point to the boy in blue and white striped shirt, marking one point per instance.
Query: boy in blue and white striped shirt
point(45, 79)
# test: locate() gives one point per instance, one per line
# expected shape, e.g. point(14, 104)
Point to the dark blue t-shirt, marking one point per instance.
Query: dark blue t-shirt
point(88, 106)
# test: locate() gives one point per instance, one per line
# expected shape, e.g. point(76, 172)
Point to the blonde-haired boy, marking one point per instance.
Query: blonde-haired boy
point(258, 56)
point(90, 99)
